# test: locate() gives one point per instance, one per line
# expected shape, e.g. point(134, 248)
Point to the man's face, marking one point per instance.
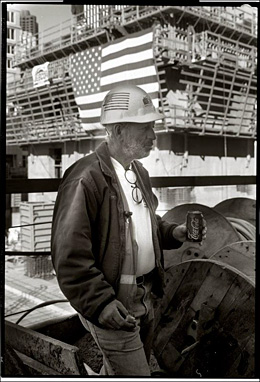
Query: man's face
point(137, 139)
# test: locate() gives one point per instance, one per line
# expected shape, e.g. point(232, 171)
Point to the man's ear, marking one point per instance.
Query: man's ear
point(118, 129)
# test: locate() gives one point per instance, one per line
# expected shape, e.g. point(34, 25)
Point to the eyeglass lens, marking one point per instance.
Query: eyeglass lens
point(136, 193)
point(130, 176)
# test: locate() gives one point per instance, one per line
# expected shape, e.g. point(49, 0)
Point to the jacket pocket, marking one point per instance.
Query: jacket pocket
point(110, 260)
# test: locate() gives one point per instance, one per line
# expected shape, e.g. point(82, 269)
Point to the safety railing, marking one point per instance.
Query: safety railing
point(95, 21)
point(50, 129)
point(243, 19)
point(57, 71)
point(210, 98)
point(187, 46)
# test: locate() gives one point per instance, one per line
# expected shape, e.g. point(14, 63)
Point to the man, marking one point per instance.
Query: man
point(107, 241)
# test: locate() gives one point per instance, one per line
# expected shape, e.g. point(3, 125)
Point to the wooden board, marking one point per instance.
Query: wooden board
point(35, 367)
point(205, 328)
point(54, 354)
point(220, 232)
point(240, 255)
point(13, 365)
point(241, 208)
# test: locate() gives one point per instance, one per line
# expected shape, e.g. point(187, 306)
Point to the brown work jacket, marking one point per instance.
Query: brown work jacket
point(88, 233)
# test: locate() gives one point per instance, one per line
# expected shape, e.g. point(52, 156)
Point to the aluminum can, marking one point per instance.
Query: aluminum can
point(194, 222)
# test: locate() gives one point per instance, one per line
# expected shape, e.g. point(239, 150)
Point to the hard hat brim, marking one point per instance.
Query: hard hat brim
point(151, 117)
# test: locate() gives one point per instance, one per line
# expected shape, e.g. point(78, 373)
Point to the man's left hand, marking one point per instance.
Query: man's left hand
point(180, 232)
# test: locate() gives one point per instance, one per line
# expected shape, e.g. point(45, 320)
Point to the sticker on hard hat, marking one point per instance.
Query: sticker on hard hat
point(147, 100)
point(116, 101)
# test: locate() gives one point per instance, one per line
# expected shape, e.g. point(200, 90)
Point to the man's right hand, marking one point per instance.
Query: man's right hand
point(115, 316)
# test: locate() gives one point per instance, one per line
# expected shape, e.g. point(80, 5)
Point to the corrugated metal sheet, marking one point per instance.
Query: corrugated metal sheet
point(36, 237)
point(38, 216)
point(15, 200)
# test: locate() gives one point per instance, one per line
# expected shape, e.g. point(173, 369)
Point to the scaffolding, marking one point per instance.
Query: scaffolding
point(211, 51)
point(214, 100)
point(47, 113)
point(98, 24)
point(187, 46)
point(216, 86)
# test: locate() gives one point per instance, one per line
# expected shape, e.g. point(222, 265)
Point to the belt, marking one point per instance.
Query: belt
point(147, 277)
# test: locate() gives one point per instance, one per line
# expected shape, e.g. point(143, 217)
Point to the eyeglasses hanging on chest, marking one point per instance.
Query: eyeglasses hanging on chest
point(136, 192)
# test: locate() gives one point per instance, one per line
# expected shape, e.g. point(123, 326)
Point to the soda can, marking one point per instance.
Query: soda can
point(194, 222)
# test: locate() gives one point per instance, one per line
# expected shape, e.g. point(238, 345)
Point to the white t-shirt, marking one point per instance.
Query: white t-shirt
point(141, 220)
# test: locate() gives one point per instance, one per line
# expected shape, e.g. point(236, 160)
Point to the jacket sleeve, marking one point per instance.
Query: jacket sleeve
point(78, 275)
point(167, 239)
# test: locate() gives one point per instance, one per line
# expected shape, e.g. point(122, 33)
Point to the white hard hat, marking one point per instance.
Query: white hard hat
point(128, 103)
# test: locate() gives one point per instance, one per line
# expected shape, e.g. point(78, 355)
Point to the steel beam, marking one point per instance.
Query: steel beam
point(17, 186)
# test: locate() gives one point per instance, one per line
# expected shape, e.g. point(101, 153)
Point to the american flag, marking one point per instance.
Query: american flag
point(97, 70)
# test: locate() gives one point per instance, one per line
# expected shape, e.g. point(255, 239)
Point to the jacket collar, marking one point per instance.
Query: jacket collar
point(103, 155)
point(106, 165)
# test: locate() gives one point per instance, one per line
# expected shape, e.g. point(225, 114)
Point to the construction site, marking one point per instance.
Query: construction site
point(199, 65)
